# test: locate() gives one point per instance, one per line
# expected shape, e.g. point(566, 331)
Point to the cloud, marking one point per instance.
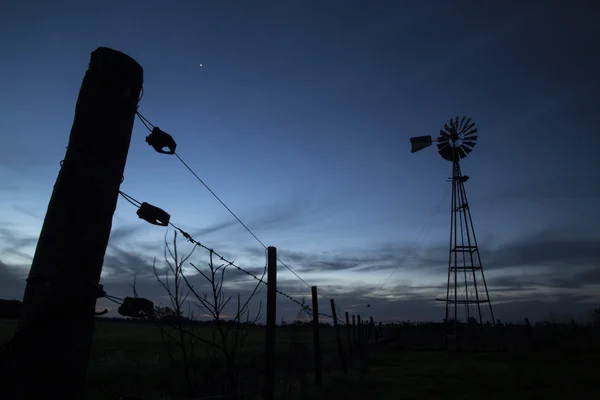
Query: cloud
point(529, 276)
point(28, 213)
point(542, 190)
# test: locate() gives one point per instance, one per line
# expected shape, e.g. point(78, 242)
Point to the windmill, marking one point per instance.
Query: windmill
point(466, 289)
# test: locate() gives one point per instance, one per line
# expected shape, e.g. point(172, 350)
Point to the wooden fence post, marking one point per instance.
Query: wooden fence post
point(360, 331)
point(530, 333)
point(373, 334)
point(57, 319)
point(354, 339)
point(338, 337)
point(317, 339)
point(271, 323)
point(500, 334)
point(349, 337)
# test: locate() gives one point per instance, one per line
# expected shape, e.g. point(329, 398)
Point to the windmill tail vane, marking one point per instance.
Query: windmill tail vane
point(420, 143)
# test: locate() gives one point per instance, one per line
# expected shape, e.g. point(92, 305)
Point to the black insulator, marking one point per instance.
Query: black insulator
point(160, 139)
point(136, 307)
point(153, 215)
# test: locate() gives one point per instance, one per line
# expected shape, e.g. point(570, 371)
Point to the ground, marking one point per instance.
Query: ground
point(131, 359)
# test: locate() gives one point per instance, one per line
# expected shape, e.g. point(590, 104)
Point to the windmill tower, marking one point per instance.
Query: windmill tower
point(467, 298)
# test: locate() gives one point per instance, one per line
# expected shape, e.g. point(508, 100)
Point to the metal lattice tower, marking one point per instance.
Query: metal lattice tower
point(467, 298)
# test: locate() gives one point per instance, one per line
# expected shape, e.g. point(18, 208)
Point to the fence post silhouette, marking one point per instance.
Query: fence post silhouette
point(354, 331)
point(360, 331)
point(57, 320)
point(317, 338)
point(529, 333)
point(349, 338)
point(271, 323)
point(338, 336)
point(500, 334)
point(373, 335)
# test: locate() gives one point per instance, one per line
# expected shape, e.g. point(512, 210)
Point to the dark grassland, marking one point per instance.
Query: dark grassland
point(130, 358)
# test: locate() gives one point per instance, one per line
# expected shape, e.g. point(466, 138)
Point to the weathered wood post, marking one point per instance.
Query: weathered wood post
point(500, 333)
point(349, 338)
point(338, 336)
point(373, 334)
point(530, 333)
point(354, 338)
point(360, 331)
point(317, 338)
point(271, 323)
point(51, 348)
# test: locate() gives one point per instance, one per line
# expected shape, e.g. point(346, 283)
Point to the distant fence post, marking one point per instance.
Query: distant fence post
point(354, 330)
point(360, 331)
point(349, 337)
point(338, 337)
point(500, 334)
point(271, 323)
point(530, 332)
point(317, 339)
point(373, 334)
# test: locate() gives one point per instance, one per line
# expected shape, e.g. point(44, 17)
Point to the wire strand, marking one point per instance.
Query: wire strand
point(144, 121)
point(237, 218)
point(219, 199)
point(186, 235)
point(130, 199)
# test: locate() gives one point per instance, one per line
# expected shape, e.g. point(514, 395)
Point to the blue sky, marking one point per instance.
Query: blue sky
point(299, 119)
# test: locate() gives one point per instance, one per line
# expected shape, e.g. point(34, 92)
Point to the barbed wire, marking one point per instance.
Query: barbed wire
point(151, 128)
point(227, 262)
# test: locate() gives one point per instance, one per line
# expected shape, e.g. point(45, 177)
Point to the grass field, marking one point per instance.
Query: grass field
point(131, 359)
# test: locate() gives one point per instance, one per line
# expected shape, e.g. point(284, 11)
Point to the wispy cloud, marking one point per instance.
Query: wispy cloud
point(526, 270)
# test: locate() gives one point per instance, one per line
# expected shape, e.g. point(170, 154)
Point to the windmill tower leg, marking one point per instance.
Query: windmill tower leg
point(466, 290)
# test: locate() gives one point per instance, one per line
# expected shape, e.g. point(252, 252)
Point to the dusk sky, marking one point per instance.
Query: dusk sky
point(298, 115)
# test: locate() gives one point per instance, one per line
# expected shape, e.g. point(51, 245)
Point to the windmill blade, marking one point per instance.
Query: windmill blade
point(420, 143)
point(464, 125)
point(470, 126)
point(466, 149)
point(444, 134)
point(461, 152)
point(449, 129)
point(471, 132)
point(447, 153)
point(469, 143)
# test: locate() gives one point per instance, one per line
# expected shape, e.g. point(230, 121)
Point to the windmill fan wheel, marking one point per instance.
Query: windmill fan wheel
point(457, 139)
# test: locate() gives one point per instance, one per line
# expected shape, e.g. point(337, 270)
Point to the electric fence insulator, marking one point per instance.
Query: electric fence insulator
point(153, 215)
point(136, 307)
point(160, 139)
